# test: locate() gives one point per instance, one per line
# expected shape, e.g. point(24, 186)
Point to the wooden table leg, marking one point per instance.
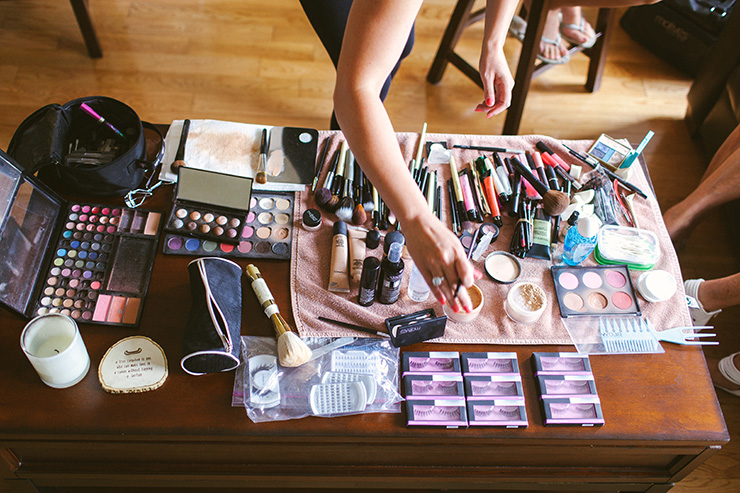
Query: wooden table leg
point(86, 27)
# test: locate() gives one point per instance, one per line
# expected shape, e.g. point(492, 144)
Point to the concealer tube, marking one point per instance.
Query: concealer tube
point(357, 248)
point(338, 274)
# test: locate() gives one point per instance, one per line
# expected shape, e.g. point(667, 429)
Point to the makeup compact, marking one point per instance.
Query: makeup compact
point(210, 205)
point(90, 262)
point(503, 267)
point(599, 290)
point(266, 233)
point(615, 154)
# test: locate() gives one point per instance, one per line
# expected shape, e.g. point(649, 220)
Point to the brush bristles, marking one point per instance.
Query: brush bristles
point(555, 202)
point(345, 208)
point(261, 177)
point(359, 216)
point(292, 351)
point(322, 196)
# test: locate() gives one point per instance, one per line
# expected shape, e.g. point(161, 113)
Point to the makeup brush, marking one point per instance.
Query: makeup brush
point(359, 214)
point(292, 351)
point(554, 202)
point(320, 165)
point(346, 205)
point(180, 156)
point(262, 165)
point(323, 194)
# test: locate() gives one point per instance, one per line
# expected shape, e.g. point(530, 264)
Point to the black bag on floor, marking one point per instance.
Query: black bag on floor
point(681, 32)
point(74, 152)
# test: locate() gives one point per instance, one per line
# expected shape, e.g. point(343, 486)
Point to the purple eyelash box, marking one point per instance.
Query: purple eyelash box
point(561, 363)
point(450, 413)
point(553, 386)
point(508, 413)
point(489, 364)
point(573, 411)
point(487, 387)
point(431, 363)
point(433, 386)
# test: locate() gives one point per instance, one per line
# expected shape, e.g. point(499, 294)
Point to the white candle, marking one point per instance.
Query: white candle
point(54, 347)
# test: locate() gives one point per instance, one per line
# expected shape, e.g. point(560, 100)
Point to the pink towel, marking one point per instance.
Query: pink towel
point(311, 262)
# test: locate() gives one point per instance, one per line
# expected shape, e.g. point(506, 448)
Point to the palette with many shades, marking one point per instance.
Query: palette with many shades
point(102, 264)
point(598, 290)
point(267, 232)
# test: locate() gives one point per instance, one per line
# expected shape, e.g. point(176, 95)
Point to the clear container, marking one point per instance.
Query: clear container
point(580, 240)
point(638, 248)
point(418, 288)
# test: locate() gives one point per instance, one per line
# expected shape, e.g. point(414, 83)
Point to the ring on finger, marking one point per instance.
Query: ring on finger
point(437, 281)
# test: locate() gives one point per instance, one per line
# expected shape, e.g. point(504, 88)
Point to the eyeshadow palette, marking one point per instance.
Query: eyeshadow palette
point(210, 205)
point(90, 262)
point(450, 413)
point(508, 413)
point(600, 290)
point(433, 386)
point(267, 232)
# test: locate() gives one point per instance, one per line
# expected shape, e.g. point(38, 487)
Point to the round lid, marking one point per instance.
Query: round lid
point(311, 218)
point(589, 226)
point(372, 240)
point(657, 285)
point(133, 364)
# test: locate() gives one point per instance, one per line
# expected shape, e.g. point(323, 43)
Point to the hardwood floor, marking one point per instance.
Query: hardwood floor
point(260, 62)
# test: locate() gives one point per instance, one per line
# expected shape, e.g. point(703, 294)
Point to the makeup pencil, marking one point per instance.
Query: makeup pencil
point(488, 149)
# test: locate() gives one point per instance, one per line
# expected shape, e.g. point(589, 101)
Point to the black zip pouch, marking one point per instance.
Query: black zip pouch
point(90, 146)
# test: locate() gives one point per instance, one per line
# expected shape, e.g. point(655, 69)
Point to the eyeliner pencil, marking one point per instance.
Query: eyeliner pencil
point(359, 328)
point(609, 173)
point(489, 149)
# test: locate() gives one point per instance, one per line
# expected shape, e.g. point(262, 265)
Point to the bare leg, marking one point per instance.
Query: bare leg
point(720, 184)
point(716, 294)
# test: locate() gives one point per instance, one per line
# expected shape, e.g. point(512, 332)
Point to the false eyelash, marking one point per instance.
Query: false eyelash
point(262, 390)
point(499, 365)
point(566, 387)
point(562, 363)
point(440, 413)
point(572, 411)
point(434, 388)
point(445, 364)
point(418, 362)
point(494, 411)
point(491, 388)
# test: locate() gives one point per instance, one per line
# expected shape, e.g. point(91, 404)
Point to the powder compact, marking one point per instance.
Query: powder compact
point(600, 290)
point(210, 205)
point(90, 262)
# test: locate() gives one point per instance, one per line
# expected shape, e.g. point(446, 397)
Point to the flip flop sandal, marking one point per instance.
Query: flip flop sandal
point(518, 28)
point(580, 27)
point(555, 61)
point(728, 370)
point(699, 315)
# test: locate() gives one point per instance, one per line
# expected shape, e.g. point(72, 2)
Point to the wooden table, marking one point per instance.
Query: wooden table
point(662, 421)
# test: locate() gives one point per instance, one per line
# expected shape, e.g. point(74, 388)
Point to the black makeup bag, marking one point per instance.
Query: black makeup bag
point(74, 152)
point(212, 339)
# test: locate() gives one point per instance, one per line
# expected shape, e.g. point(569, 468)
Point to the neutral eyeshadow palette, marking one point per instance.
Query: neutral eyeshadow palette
point(90, 262)
point(592, 291)
point(267, 232)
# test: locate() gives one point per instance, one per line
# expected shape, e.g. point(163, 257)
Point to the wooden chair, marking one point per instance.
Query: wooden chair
point(527, 68)
point(86, 27)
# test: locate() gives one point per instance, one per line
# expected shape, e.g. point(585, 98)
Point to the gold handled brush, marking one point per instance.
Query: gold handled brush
point(292, 351)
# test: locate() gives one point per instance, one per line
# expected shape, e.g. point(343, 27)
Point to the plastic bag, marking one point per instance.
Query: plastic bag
point(344, 376)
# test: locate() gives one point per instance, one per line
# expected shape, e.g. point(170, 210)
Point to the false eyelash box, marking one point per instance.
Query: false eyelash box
point(210, 205)
point(558, 386)
point(449, 413)
point(560, 363)
point(90, 262)
point(489, 363)
point(431, 363)
point(508, 413)
point(573, 411)
point(487, 387)
point(433, 386)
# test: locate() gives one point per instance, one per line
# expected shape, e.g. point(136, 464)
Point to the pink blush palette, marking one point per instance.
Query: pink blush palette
point(593, 291)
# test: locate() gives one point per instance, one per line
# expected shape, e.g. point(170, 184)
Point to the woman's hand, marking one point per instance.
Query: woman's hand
point(438, 253)
point(497, 81)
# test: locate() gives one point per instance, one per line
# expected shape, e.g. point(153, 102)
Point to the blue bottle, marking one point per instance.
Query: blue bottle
point(580, 240)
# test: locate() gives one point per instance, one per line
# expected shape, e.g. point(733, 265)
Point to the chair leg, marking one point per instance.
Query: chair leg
point(86, 27)
point(525, 67)
point(456, 26)
point(597, 53)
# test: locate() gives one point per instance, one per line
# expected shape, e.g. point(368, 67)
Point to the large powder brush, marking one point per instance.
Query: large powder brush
point(554, 202)
point(292, 351)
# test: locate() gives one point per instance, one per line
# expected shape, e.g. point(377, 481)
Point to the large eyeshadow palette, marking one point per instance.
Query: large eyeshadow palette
point(90, 262)
point(599, 290)
point(210, 205)
point(267, 232)
point(102, 264)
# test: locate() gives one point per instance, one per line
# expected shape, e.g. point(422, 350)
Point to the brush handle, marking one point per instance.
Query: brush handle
point(180, 156)
point(529, 176)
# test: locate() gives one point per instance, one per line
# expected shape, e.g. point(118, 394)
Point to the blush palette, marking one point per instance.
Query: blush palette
point(599, 290)
point(267, 232)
